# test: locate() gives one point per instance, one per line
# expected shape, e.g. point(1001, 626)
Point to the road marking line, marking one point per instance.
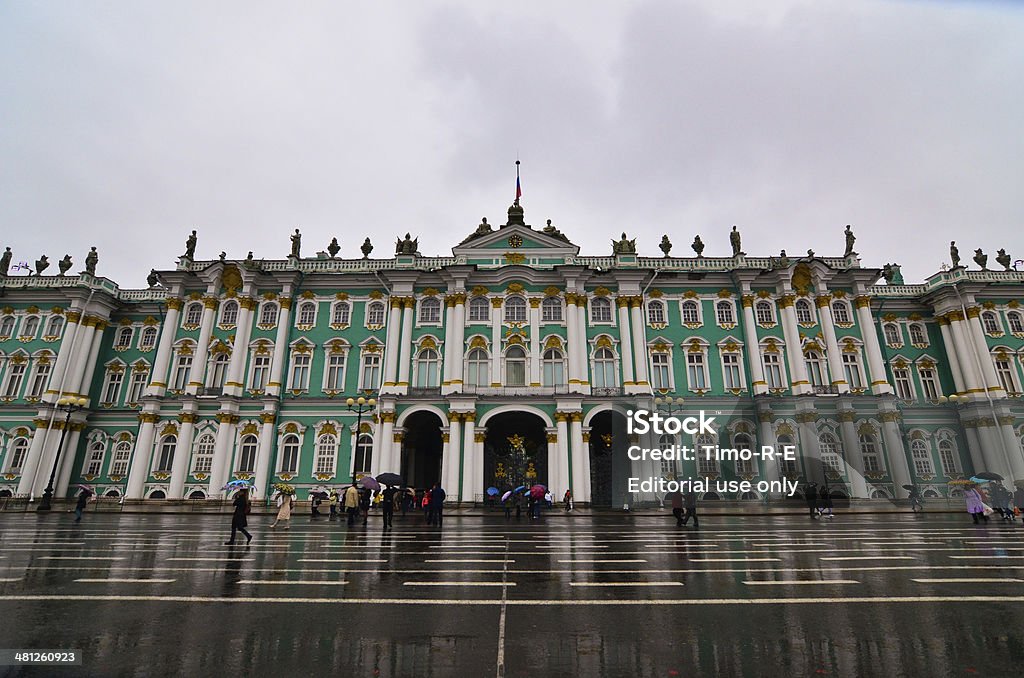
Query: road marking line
point(500, 663)
point(310, 582)
point(627, 583)
point(793, 544)
point(867, 558)
point(4, 579)
point(218, 560)
point(986, 557)
point(798, 582)
point(468, 546)
point(81, 557)
point(121, 580)
point(457, 583)
point(466, 560)
point(340, 560)
point(583, 560)
point(575, 546)
point(971, 580)
point(736, 560)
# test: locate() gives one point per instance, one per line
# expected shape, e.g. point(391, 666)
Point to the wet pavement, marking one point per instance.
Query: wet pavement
point(154, 595)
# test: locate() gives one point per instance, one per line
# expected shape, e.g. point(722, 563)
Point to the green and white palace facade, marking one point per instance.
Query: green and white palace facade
point(514, 350)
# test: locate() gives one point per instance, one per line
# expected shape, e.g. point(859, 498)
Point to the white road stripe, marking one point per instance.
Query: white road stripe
point(736, 560)
point(218, 560)
point(583, 560)
point(120, 580)
point(987, 557)
point(797, 582)
point(5, 579)
point(467, 560)
point(457, 583)
point(971, 580)
point(309, 582)
point(565, 547)
point(626, 583)
point(340, 560)
point(81, 557)
point(867, 558)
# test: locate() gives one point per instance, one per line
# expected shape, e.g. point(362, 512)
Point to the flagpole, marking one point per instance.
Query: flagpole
point(519, 191)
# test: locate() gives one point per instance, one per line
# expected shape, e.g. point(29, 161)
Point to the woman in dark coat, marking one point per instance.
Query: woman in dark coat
point(238, 520)
point(812, 499)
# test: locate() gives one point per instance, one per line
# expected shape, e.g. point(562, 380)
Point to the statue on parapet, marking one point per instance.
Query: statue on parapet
point(152, 279)
point(698, 247)
point(366, 248)
point(91, 260)
point(333, 248)
point(624, 246)
point(296, 239)
point(665, 246)
point(981, 259)
point(190, 246)
point(892, 275)
point(734, 240)
point(850, 239)
point(408, 246)
point(483, 229)
point(42, 263)
point(65, 264)
point(1003, 259)
point(5, 261)
point(783, 259)
point(954, 254)
point(554, 232)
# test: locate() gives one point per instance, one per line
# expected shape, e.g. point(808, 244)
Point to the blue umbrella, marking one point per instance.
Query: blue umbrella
point(493, 491)
point(236, 484)
point(520, 489)
point(980, 481)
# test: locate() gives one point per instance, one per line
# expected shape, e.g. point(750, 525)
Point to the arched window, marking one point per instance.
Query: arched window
point(655, 312)
point(148, 340)
point(815, 368)
point(990, 322)
point(268, 313)
point(922, 458)
point(765, 313)
point(193, 313)
point(341, 313)
point(7, 326)
point(122, 455)
point(15, 376)
point(788, 467)
point(124, 337)
point(426, 368)
point(17, 452)
point(94, 463)
point(841, 313)
point(219, 370)
point(668, 466)
point(742, 441)
point(600, 310)
point(326, 449)
point(430, 310)
point(56, 324)
point(515, 367)
point(1013, 318)
point(307, 313)
point(363, 454)
point(604, 369)
point(479, 309)
point(705, 466)
point(375, 313)
point(40, 376)
point(229, 312)
point(551, 310)
point(804, 314)
point(725, 313)
point(690, 312)
point(202, 457)
point(290, 454)
point(247, 454)
point(892, 334)
point(478, 368)
point(948, 456)
point(831, 458)
point(917, 335)
point(515, 309)
point(869, 451)
point(30, 328)
point(553, 368)
point(165, 460)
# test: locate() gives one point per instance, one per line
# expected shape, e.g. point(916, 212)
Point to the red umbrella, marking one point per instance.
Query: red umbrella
point(537, 491)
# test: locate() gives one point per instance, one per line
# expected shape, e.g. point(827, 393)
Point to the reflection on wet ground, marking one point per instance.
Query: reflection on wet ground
point(590, 596)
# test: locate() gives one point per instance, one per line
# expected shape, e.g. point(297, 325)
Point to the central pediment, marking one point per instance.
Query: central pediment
point(516, 236)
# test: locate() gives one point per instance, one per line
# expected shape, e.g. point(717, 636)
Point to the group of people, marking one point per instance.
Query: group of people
point(999, 500)
point(684, 507)
point(819, 501)
point(355, 502)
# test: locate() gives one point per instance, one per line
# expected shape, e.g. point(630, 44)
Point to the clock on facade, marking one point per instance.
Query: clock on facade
point(515, 241)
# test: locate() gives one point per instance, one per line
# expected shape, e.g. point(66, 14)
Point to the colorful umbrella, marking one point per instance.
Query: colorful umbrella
point(369, 483)
point(318, 494)
point(493, 491)
point(236, 484)
point(980, 480)
point(520, 489)
point(284, 488)
point(389, 479)
point(505, 496)
point(411, 491)
point(537, 491)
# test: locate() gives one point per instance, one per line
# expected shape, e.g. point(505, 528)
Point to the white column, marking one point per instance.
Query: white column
point(280, 348)
point(561, 424)
point(992, 448)
point(580, 484)
point(470, 461)
point(496, 341)
point(448, 364)
point(262, 480)
point(158, 380)
point(476, 482)
point(459, 341)
point(766, 434)
point(392, 346)
point(93, 360)
point(235, 382)
point(972, 381)
point(879, 381)
point(451, 458)
point(382, 445)
point(833, 355)
point(899, 471)
point(988, 369)
point(197, 374)
point(814, 469)
point(794, 350)
point(405, 349)
point(854, 458)
point(639, 343)
point(35, 453)
point(575, 358)
point(80, 361)
point(142, 455)
point(68, 456)
point(974, 447)
point(626, 340)
point(951, 354)
point(182, 454)
point(68, 344)
point(558, 465)
point(1013, 448)
point(757, 382)
point(582, 364)
point(535, 350)
point(221, 469)
point(585, 457)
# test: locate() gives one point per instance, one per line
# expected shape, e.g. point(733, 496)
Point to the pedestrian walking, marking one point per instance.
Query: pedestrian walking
point(916, 504)
point(975, 504)
point(1002, 501)
point(549, 499)
point(690, 503)
point(437, 497)
point(285, 503)
point(314, 506)
point(388, 499)
point(676, 498)
point(425, 506)
point(567, 500)
point(811, 496)
point(334, 502)
point(83, 499)
point(517, 500)
point(825, 504)
point(351, 503)
point(535, 504)
point(365, 499)
point(238, 517)
point(1018, 499)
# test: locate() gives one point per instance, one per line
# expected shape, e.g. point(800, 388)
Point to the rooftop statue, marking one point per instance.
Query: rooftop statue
point(65, 264)
point(698, 247)
point(91, 260)
point(366, 248)
point(734, 240)
point(981, 259)
point(624, 246)
point(190, 246)
point(554, 232)
point(407, 246)
point(1003, 259)
point(783, 259)
point(5, 261)
point(666, 245)
point(892, 275)
point(850, 239)
point(42, 264)
point(333, 248)
point(954, 253)
point(152, 279)
point(296, 243)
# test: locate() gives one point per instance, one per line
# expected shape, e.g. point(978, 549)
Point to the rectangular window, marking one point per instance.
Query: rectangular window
point(371, 372)
point(695, 371)
point(95, 465)
point(731, 370)
point(39, 379)
point(660, 371)
point(929, 383)
point(851, 368)
point(260, 372)
point(181, 371)
point(904, 390)
point(112, 389)
point(137, 387)
point(336, 372)
point(14, 379)
point(773, 370)
point(1005, 374)
point(300, 372)
point(122, 454)
point(554, 373)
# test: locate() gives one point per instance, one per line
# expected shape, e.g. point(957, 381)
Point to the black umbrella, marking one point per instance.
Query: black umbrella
point(908, 487)
point(389, 479)
point(989, 476)
point(318, 495)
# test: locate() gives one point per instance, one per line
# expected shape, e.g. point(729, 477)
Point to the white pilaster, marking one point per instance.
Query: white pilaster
point(392, 347)
point(405, 348)
point(459, 341)
point(182, 454)
point(68, 346)
point(280, 348)
point(561, 423)
point(222, 453)
point(951, 354)
point(262, 480)
point(854, 458)
point(451, 459)
point(535, 350)
point(448, 365)
point(639, 342)
point(197, 374)
point(235, 382)
point(757, 382)
point(990, 380)
point(68, 457)
point(582, 364)
point(158, 380)
point(142, 455)
point(879, 381)
point(794, 350)
point(1012, 446)
point(833, 354)
point(626, 342)
point(972, 381)
point(93, 360)
point(496, 341)
point(471, 462)
point(896, 453)
point(572, 330)
point(35, 454)
point(580, 474)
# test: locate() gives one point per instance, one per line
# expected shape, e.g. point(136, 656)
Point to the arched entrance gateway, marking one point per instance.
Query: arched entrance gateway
point(421, 449)
point(515, 451)
point(609, 465)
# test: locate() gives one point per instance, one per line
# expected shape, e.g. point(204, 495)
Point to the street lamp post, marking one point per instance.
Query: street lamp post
point(69, 405)
point(359, 405)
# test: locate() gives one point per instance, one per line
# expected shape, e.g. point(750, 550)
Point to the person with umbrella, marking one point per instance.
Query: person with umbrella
point(916, 503)
point(365, 498)
point(351, 503)
point(316, 498)
point(334, 502)
point(390, 495)
point(238, 519)
point(285, 502)
point(1002, 501)
point(83, 499)
point(975, 504)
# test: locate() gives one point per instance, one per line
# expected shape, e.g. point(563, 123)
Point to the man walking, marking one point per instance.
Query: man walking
point(677, 506)
point(690, 502)
point(437, 497)
point(351, 503)
point(387, 505)
point(812, 499)
point(83, 499)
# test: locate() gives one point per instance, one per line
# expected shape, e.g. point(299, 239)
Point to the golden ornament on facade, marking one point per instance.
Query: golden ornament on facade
point(169, 429)
point(250, 429)
point(603, 341)
point(515, 288)
point(328, 429)
point(187, 417)
point(514, 258)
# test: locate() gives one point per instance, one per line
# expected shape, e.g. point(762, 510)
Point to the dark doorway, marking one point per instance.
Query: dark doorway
point(421, 450)
point(515, 451)
point(608, 460)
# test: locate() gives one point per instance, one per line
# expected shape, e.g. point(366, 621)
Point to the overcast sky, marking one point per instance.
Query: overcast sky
point(127, 124)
